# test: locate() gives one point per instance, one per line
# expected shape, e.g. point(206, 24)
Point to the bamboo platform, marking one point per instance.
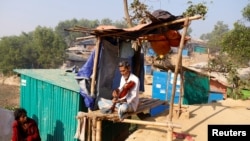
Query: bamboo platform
point(94, 119)
point(145, 104)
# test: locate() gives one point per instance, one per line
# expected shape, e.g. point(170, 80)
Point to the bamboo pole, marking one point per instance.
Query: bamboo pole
point(171, 104)
point(181, 89)
point(93, 129)
point(98, 130)
point(164, 124)
point(176, 21)
point(89, 129)
point(84, 38)
point(92, 90)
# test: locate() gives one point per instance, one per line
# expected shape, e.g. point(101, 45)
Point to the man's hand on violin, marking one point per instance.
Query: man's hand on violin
point(115, 93)
point(115, 100)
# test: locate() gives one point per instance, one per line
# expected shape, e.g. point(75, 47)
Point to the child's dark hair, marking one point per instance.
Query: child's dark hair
point(19, 112)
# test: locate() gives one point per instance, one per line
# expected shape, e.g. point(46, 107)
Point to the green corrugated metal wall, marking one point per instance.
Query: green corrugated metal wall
point(51, 97)
point(200, 49)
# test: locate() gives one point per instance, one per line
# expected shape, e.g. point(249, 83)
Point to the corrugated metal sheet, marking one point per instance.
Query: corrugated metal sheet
point(51, 97)
point(57, 77)
point(200, 49)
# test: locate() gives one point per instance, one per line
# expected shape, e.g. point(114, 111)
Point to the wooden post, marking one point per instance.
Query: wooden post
point(181, 90)
point(171, 104)
point(98, 130)
point(92, 90)
point(93, 129)
point(89, 129)
point(164, 124)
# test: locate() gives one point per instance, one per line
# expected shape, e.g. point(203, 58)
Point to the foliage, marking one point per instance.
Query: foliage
point(138, 11)
point(11, 53)
point(49, 48)
point(120, 24)
point(69, 37)
point(236, 44)
point(196, 9)
point(246, 12)
point(214, 38)
point(238, 84)
point(39, 49)
point(220, 63)
point(106, 21)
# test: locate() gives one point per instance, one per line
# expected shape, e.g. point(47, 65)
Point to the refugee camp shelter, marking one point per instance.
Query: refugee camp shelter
point(51, 97)
point(116, 44)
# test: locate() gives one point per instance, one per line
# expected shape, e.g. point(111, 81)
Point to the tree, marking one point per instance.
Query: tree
point(9, 47)
point(138, 12)
point(214, 38)
point(127, 17)
point(236, 44)
point(196, 9)
point(69, 37)
point(28, 52)
point(246, 12)
point(50, 48)
point(120, 24)
point(106, 21)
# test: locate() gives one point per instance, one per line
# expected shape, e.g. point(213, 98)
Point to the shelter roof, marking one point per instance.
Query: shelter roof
point(58, 77)
point(155, 27)
point(221, 77)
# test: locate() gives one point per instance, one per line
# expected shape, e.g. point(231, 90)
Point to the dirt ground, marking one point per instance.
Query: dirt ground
point(9, 96)
point(9, 92)
point(195, 127)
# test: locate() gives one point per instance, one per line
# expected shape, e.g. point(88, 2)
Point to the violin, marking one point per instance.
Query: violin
point(121, 94)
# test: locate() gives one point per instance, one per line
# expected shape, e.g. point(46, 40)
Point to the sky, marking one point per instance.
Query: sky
point(17, 16)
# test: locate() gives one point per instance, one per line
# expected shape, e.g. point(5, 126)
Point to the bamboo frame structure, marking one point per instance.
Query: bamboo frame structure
point(179, 57)
point(97, 124)
point(96, 120)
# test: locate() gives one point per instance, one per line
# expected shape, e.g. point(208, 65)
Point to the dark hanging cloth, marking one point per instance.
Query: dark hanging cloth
point(108, 74)
point(106, 69)
point(165, 16)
